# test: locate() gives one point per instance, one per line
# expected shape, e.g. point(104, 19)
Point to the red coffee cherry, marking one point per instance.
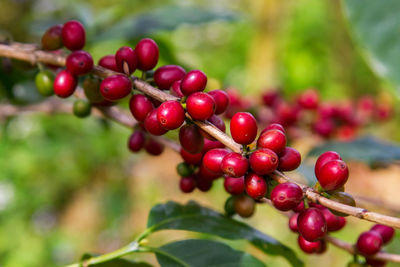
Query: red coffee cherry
point(293, 222)
point(233, 185)
point(171, 115)
point(243, 128)
point(73, 35)
point(115, 87)
point(375, 262)
point(79, 63)
point(309, 247)
point(167, 75)
point(275, 126)
point(256, 186)
point(152, 125)
point(217, 122)
point(309, 99)
point(200, 106)
point(189, 158)
point(289, 160)
point(65, 84)
point(244, 206)
point(187, 184)
point(272, 139)
point(136, 141)
point(203, 185)
point(52, 38)
point(324, 158)
point(386, 232)
point(176, 89)
point(126, 60)
point(324, 127)
point(221, 99)
point(193, 81)
point(369, 243)
point(140, 106)
point(311, 224)
point(191, 139)
point(340, 223)
point(299, 207)
point(333, 175)
point(333, 222)
point(153, 147)
point(213, 158)
point(208, 145)
point(234, 164)
point(109, 62)
point(286, 196)
point(206, 174)
point(147, 54)
point(263, 161)
point(271, 98)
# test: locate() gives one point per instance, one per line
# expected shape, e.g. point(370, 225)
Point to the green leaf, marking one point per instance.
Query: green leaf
point(193, 217)
point(307, 172)
point(200, 253)
point(123, 263)
point(376, 25)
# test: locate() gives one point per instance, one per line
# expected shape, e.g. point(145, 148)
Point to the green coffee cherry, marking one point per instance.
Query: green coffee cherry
point(184, 169)
point(91, 87)
point(44, 82)
point(82, 108)
point(343, 198)
point(230, 206)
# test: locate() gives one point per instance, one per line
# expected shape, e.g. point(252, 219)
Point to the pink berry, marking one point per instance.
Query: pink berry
point(293, 222)
point(176, 89)
point(309, 247)
point(386, 232)
point(369, 243)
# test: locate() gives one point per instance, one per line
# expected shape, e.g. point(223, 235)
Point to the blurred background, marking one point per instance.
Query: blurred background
point(70, 186)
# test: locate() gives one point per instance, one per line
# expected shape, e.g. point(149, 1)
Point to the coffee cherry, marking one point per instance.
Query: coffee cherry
point(386, 232)
point(311, 224)
point(244, 206)
point(309, 247)
point(286, 196)
point(79, 63)
point(190, 138)
point(52, 39)
point(272, 139)
point(213, 158)
point(136, 141)
point(73, 35)
point(115, 87)
point(126, 60)
point(204, 185)
point(256, 186)
point(340, 223)
point(343, 198)
point(193, 81)
point(194, 159)
point(289, 160)
point(153, 147)
point(234, 186)
point(229, 206)
point(275, 126)
point(243, 128)
point(152, 125)
point(109, 62)
point(82, 108)
point(65, 84)
point(333, 222)
point(217, 122)
point(91, 88)
point(44, 82)
point(200, 106)
point(271, 98)
point(299, 207)
point(147, 54)
point(293, 222)
point(187, 184)
point(206, 174)
point(325, 158)
point(140, 106)
point(263, 161)
point(171, 115)
point(309, 99)
point(221, 99)
point(333, 175)
point(184, 169)
point(176, 89)
point(234, 164)
point(375, 262)
point(208, 145)
point(369, 243)
point(167, 75)
point(324, 127)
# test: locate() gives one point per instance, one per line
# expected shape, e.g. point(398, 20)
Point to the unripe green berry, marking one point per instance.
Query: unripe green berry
point(82, 108)
point(184, 169)
point(229, 206)
point(44, 82)
point(343, 198)
point(91, 87)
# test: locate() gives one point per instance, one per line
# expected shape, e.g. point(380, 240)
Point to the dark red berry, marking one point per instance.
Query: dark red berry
point(286, 196)
point(340, 223)
point(271, 98)
point(233, 185)
point(126, 60)
point(243, 128)
point(311, 224)
point(136, 141)
point(206, 174)
point(309, 99)
point(140, 106)
point(115, 87)
point(263, 161)
point(52, 38)
point(208, 145)
point(176, 89)
point(375, 262)
point(191, 139)
point(324, 158)
point(193, 81)
point(108, 62)
point(272, 139)
point(187, 184)
point(153, 147)
point(221, 99)
point(256, 186)
point(73, 35)
point(189, 158)
point(204, 185)
point(79, 63)
point(386, 232)
point(275, 126)
point(324, 127)
point(147, 54)
point(369, 243)
point(234, 164)
point(217, 122)
point(171, 115)
point(165, 76)
point(333, 175)
point(289, 160)
point(152, 124)
point(244, 206)
point(293, 222)
point(333, 222)
point(213, 158)
point(65, 84)
point(200, 106)
point(309, 247)
point(299, 207)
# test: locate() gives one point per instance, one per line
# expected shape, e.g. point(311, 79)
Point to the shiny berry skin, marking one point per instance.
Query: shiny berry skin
point(189, 158)
point(79, 62)
point(213, 158)
point(243, 128)
point(73, 35)
point(233, 185)
point(293, 223)
point(176, 89)
point(340, 223)
point(333, 222)
point(275, 126)
point(115, 87)
point(289, 159)
point(286, 196)
point(234, 164)
point(193, 81)
point(140, 106)
point(171, 115)
point(153, 147)
point(206, 174)
point(65, 84)
point(191, 139)
point(386, 232)
point(184, 169)
point(152, 125)
point(369, 243)
point(44, 82)
point(126, 60)
point(256, 186)
point(309, 247)
point(272, 139)
point(208, 145)
point(343, 198)
point(147, 54)
point(263, 161)
point(82, 108)
point(136, 141)
point(311, 224)
point(333, 175)
point(167, 75)
point(187, 184)
point(229, 206)
point(109, 62)
point(217, 122)
point(309, 99)
point(299, 207)
point(200, 106)
point(52, 38)
point(221, 99)
point(244, 206)
point(375, 262)
point(325, 158)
